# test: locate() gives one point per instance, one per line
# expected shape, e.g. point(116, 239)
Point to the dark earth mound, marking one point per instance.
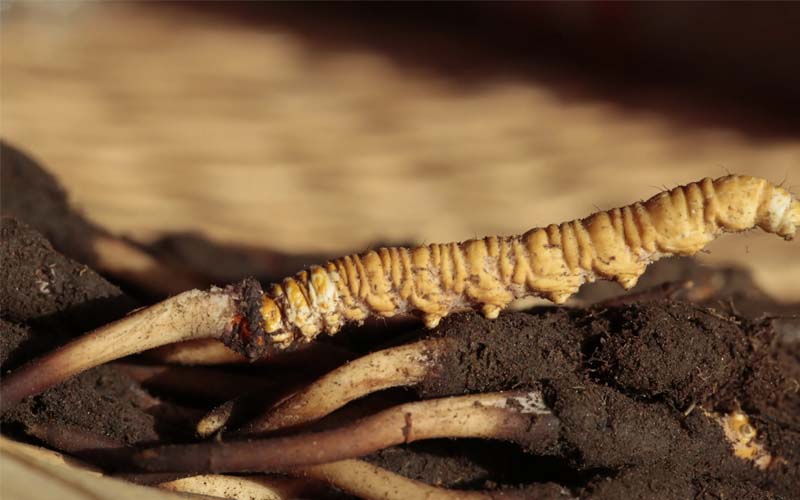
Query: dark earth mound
point(628, 384)
point(46, 299)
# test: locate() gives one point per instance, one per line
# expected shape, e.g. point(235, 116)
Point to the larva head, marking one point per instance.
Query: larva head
point(793, 218)
point(780, 212)
point(744, 202)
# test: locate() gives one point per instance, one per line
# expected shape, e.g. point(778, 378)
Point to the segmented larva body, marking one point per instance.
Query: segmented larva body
point(552, 262)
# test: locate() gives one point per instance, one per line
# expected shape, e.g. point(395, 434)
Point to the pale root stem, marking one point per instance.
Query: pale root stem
point(70, 438)
point(38, 454)
point(27, 472)
point(512, 416)
point(192, 314)
point(216, 419)
point(214, 352)
point(238, 487)
point(122, 259)
point(196, 352)
point(371, 482)
point(399, 366)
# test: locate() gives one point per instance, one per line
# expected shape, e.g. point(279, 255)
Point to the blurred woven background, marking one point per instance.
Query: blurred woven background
point(326, 128)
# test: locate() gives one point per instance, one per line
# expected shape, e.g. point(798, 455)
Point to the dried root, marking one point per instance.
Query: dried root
point(214, 352)
point(370, 482)
point(236, 487)
point(434, 280)
point(419, 421)
point(43, 455)
point(513, 416)
point(192, 314)
point(216, 419)
point(356, 477)
point(399, 366)
point(117, 257)
point(79, 442)
point(196, 352)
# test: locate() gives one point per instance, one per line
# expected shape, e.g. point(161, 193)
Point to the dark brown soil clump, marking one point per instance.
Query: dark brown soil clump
point(44, 288)
point(488, 357)
point(680, 352)
point(102, 401)
point(628, 384)
point(447, 464)
point(46, 299)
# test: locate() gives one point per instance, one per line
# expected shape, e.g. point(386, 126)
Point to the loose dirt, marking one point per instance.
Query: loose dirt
point(46, 299)
point(44, 288)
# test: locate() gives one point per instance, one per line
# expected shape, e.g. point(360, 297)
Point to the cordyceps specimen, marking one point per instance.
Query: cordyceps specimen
point(432, 281)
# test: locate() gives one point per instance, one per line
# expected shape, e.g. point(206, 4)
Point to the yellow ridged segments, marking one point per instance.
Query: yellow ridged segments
point(487, 274)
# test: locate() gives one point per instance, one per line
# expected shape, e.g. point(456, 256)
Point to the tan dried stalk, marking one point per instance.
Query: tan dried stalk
point(196, 352)
point(202, 352)
point(356, 477)
point(122, 259)
point(399, 366)
point(82, 443)
point(192, 314)
point(37, 454)
point(371, 482)
point(513, 416)
point(249, 487)
point(216, 419)
point(436, 280)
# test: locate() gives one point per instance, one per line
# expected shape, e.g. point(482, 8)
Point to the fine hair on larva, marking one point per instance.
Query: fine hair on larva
point(486, 274)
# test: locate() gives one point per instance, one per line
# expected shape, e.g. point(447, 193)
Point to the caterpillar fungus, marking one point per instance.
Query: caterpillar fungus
point(487, 274)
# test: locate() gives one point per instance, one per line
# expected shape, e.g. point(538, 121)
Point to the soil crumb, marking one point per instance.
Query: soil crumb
point(42, 287)
point(677, 351)
point(514, 350)
point(440, 463)
point(102, 401)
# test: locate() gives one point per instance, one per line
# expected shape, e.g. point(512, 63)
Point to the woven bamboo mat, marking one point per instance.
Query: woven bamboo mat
point(160, 120)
